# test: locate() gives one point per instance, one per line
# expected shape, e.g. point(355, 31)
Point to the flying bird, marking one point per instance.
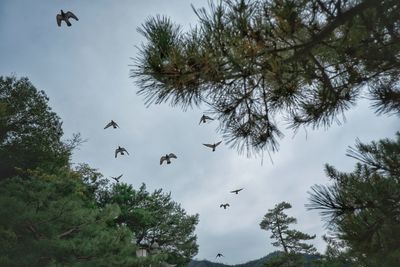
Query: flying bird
point(120, 150)
point(219, 255)
point(65, 17)
point(167, 157)
point(236, 191)
point(224, 206)
point(117, 178)
point(111, 123)
point(204, 119)
point(213, 146)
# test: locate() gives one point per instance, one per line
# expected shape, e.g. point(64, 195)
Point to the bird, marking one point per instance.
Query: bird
point(204, 119)
point(219, 255)
point(65, 17)
point(236, 191)
point(120, 150)
point(111, 123)
point(224, 206)
point(117, 178)
point(213, 146)
point(167, 157)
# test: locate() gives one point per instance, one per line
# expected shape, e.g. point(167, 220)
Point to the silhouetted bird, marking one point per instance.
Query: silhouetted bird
point(117, 178)
point(65, 17)
point(167, 157)
point(120, 150)
point(204, 119)
point(236, 191)
point(213, 146)
point(219, 255)
point(113, 124)
point(224, 206)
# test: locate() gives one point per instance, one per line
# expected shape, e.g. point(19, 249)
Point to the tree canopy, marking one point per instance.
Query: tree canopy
point(156, 218)
point(30, 132)
point(362, 207)
point(276, 221)
point(257, 62)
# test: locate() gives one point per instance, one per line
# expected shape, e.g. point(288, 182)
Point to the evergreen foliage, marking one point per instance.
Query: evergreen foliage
point(156, 218)
point(290, 240)
point(362, 207)
point(30, 133)
point(253, 62)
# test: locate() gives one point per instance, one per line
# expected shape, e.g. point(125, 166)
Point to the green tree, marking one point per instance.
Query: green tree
point(290, 240)
point(30, 133)
point(253, 62)
point(46, 220)
point(362, 207)
point(155, 218)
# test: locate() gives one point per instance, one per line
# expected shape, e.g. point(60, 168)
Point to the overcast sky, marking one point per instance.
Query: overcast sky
point(84, 69)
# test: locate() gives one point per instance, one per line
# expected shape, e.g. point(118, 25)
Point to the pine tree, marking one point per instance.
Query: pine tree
point(362, 207)
point(156, 218)
point(253, 62)
point(278, 223)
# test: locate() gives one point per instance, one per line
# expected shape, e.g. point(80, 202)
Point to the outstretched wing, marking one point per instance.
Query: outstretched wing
point(201, 119)
point(162, 159)
point(116, 152)
point(69, 14)
point(115, 124)
point(208, 118)
point(108, 125)
point(216, 144)
point(227, 205)
point(221, 205)
point(119, 177)
point(123, 149)
point(172, 155)
point(208, 145)
point(59, 19)
point(237, 190)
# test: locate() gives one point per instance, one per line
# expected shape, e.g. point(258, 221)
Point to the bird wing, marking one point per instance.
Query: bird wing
point(116, 124)
point(201, 119)
point(116, 152)
point(221, 205)
point(162, 159)
point(123, 149)
point(59, 19)
point(208, 118)
point(227, 205)
point(69, 14)
point(119, 177)
point(108, 125)
point(216, 144)
point(172, 155)
point(208, 145)
point(237, 190)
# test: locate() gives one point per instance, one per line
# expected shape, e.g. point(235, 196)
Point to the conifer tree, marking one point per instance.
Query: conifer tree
point(362, 207)
point(254, 62)
point(291, 241)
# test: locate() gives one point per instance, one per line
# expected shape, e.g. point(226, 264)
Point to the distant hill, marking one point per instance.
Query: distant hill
point(254, 263)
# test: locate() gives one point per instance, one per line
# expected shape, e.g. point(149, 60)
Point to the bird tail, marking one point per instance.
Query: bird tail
point(68, 23)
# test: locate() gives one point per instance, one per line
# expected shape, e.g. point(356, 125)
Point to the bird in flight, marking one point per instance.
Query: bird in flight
point(120, 150)
point(167, 157)
point(204, 119)
point(236, 191)
point(213, 146)
point(65, 17)
point(219, 255)
point(111, 123)
point(224, 206)
point(117, 178)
